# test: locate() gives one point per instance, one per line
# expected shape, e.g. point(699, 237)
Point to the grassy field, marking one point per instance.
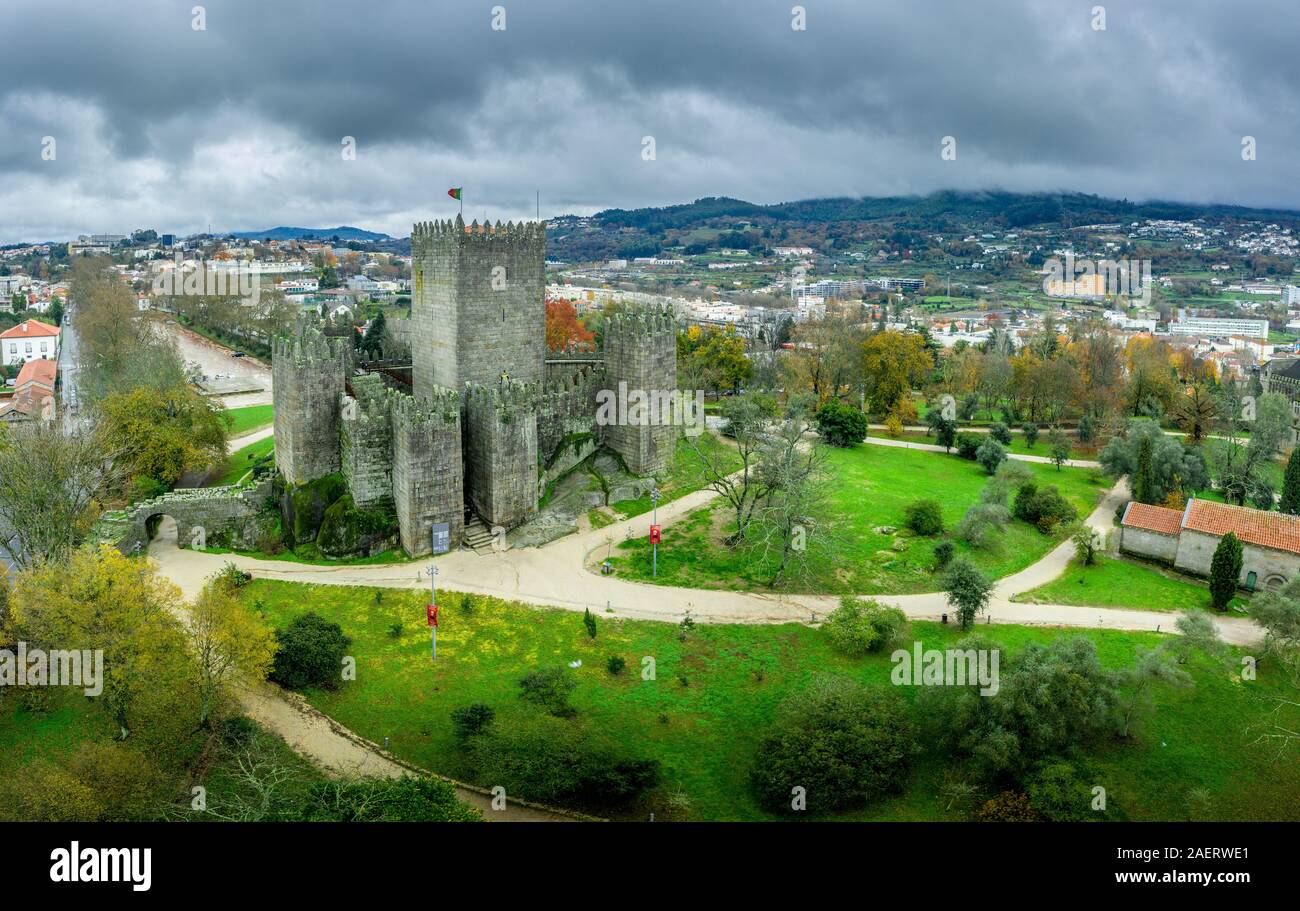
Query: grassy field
point(247, 419)
point(1018, 444)
point(240, 461)
point(1112, 582)
point(873, 486)
point(714, 695)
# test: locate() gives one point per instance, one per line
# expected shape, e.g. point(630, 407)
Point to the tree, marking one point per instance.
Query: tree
point(892, 363)
point(161, 434)
point(1000, 432)
point(713, 359)
point(1225, 571)
point(792, 518)
point(589, 622)
point(1174, 466)
point(375, 338)
point(925, 517)
point(1031, 434)
point(51, 484)
point(857, 628)
point(746, 418)
point(231, 645)
point(1290, 503)
point(471, 720)
point(1152, 666)
point(311, 652)
point(549, 688)
point(990, 455)
point(945, 434)
point(1196, 412)
point(968, 590)
point(1087, 542)
point(563, 328)
point(841, 425)
point(843, 744)
point(1060, 447)
point(105, 600)
point(1278, 612)
point(1144, 482)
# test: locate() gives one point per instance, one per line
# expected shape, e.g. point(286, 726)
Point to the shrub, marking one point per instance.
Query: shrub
point(925, 517)
point(990, 454)
point(840, 424)
point(1044, 508)
point(311, 652)
point(968, 445)
point(231, 576)
point(549, 688)
point(1031, 434)
point(471, 720)
point(857, 627)
point(553, 761)
point(589, 623)
point(893, 426)
point(615, 664)
point(395, 629)
point(1000, 432)
point(943, 552)
point(1057, 793)
point(406, 799)
point(845, 744)
point(1009, 806)
point(981, 522)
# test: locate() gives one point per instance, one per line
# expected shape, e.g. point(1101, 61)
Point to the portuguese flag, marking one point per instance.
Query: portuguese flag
point(454, 192)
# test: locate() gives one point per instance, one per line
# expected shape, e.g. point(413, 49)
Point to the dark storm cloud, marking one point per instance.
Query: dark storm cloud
point(241, 124)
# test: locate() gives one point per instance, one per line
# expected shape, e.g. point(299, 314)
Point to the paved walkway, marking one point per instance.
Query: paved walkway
point(1017, 456)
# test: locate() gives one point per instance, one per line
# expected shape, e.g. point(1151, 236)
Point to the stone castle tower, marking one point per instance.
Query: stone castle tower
point(480, 424)
point(476, 303)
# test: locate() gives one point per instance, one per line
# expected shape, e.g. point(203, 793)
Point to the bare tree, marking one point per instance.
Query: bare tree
point(50, 485)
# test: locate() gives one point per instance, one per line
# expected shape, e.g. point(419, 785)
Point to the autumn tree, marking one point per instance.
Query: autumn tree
point(892, 364)
point(230, 644)
point(160, 434)
point(563, 328)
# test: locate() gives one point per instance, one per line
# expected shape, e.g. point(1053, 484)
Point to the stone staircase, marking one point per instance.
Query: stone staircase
point(477, 537)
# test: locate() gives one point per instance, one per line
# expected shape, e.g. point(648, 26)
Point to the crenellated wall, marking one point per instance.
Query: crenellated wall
point(427, 473)
point(501, 468)
point(365, 442)
point(308, 373)
point(640, 349)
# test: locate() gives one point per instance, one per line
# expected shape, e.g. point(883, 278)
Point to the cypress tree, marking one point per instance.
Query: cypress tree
point(1291, 485)
point(589, 621)
point(1144, 479)
point(1225, 570)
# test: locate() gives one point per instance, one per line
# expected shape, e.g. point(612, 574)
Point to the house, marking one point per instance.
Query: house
point(33, 398)
point(1188, 537)
point(28, 340)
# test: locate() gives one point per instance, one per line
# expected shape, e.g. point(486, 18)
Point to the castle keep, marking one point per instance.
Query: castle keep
point(483, 420)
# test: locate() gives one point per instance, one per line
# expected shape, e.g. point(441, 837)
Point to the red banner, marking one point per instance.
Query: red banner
point(432, 613)
point(654, 534)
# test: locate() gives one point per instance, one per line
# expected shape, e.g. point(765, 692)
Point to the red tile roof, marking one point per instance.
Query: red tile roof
point(1253, 526)
point(42, 370)
point(32, 328)
point(1153, 518)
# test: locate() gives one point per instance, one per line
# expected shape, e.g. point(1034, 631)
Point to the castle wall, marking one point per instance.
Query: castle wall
point(308, 374)
point(427, 474)
point(477, 306)
point(365, 442)
point(501, 472)
point(568, 410)
point(640, 347)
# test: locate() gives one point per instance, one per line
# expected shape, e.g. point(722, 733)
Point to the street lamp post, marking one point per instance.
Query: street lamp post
point(654, 541)
point(433, 611)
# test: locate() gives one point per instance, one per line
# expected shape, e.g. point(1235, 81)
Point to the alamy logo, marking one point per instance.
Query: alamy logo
point(76, 864)
point(953, 667)
point(205, 280)
point(58, 667)
point(1098, 278)
point(650, 408)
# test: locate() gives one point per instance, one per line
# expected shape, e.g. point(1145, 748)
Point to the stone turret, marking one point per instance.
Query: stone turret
point(308, 373)
point(501, 468)
point(365, 442)
point(427, 472)
point(640, 347)
point(477, 306)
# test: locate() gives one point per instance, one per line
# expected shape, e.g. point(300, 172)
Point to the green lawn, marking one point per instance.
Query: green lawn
point(713, 697)
point(872, 487)
point(1018, 445)
point(239, 462)
point(247, 419)
point(1112, 582)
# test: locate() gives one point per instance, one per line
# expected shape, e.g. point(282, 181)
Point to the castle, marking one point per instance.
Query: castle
point(482, 420)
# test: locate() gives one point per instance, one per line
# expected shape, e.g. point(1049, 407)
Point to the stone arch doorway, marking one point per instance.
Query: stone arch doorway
point(161, 528)
point(1274, 582)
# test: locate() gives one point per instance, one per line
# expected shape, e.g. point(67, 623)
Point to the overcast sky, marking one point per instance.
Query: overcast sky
point(241, 124)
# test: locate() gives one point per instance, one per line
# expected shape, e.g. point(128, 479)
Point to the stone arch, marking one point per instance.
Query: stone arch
point(1274, 581)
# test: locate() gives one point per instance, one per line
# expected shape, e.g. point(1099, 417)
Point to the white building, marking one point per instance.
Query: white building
point(1215, 326)
point(27, 341)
